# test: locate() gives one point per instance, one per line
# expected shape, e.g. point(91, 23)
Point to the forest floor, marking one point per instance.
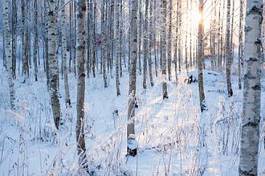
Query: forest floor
point(174, 138)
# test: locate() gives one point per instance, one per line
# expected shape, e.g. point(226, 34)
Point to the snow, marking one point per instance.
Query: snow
point(172, 136)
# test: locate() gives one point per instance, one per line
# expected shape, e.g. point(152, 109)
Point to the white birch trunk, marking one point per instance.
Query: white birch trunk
point(35, 45)
point(25, 40)
point(80, 55)
point(64, 57)
point(252, 90)
point(229, 53)
point(118, 47)
point(132, 78)
point(169, 39)
point(163, 45)
point(240, 46)
point(146, 52)
point(8, 52)
point(200, 58)
point(53, 62)
point(150, 64)
point(14, 37)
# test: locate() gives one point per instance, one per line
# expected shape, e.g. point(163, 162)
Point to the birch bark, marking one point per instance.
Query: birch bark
point(8, 52)
point(252, 90)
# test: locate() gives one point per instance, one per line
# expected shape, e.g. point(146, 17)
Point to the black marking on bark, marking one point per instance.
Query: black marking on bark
point(82, 75)
point(258, 42)
point(248, 28)
point(253, 59)
point(256, 87)
point(251, 124)
point(246, 173)
point(255, 10)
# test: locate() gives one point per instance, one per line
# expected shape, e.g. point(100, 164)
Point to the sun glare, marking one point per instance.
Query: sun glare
point(196, 17)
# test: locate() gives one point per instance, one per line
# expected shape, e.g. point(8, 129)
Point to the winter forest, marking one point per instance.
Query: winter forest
point(132, 88)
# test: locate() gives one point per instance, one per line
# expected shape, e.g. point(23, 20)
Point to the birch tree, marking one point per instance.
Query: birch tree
point(64, 56)
point(200, 57)
point(53, 62)
point(169, 39)
point(8, 52)
point(229, 56)
point(118, 47)
point(150, 64)
point(104, 41)
point(80, 109)
point(140, 37)
point(176, 47)
point(249, 147)
point(163, 48)
point(35, 45)
point(25, 40)
point(131, 148)
point(14, 37)
point(240, 45)
point(146, 51)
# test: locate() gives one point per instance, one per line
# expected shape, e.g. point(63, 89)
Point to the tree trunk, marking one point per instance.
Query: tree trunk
point(117, 48)
point(53, 62)
point(35, 45)
point(163, 45)
point(122, 56)
point(104, 41)
point(146, 52)
point(240, 46)
point(64, 57)
point(228, 51)
point(94, 58)
point(169, 39)
point(14, 37)
point(176, 48)
point(88, 38)
point(200, 57)
point(140, 37)
point(8, 52)
point(80, 109)
point(150, 68)
point(131, 149)
point(252, 91)
point(25, 42)
point(155, 36)
point(179, 35)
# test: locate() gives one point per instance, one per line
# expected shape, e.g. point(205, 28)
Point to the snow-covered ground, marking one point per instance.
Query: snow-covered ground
point(174, 138)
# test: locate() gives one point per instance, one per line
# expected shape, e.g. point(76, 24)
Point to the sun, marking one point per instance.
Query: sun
point(195, 17)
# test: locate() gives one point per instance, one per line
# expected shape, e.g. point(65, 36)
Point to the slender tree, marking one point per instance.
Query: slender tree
point(176, 47)
point(8, 52)
point(229, 56)
point(146, 40)
point(163, 46)
point(131, 149)
point(25, 40)
point(169, 39)
point(104, 31)
point(36, 41)
point(14, 37)
point(140, 37)
point(240, 46)
point(150, 63)
point(53, 62)
point(118, 47)
point(80, 55)
point(64, 56)
point(249, 148)
point(200, 57)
